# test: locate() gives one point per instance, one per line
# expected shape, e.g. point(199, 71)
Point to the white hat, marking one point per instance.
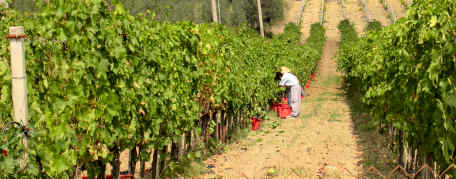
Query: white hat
point(284, 70)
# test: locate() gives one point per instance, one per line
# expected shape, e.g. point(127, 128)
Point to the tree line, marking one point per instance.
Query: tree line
point(229, 12)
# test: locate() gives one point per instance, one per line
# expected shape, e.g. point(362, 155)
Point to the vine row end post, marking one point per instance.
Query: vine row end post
point(260, 17)
point(19, 81)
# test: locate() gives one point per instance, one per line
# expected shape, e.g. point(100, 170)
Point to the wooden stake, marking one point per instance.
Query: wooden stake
point(19, 81)
point(214, 11)
point(219, 12)
point(163, 157)
point(260, 18)
point(224, 126)
point(218, 116)
point(175, 151)
point(322, 16)
point(132, 158)
point(142, 161)
point(154, 164)
point(181, 146)
point(115, 163)
point(301, 10)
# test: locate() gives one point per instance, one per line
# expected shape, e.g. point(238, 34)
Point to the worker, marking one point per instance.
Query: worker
point(293, 91)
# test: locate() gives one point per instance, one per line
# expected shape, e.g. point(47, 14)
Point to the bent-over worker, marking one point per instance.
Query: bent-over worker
point(294, 89)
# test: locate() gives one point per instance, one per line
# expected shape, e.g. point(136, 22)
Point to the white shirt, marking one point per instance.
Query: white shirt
point(288, 79)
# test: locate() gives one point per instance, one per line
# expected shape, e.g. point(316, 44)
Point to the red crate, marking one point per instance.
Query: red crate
point(284, 111)
point(307, 84)
point(5, 153)
point(275, 106)
point(255, 123)
point(284, 100)
point(127, 176)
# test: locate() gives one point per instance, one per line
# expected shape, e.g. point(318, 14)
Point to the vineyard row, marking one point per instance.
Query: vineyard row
point(101, 81)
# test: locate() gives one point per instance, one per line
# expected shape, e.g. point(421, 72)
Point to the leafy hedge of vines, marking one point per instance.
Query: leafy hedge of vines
point(407, 76)
point(101, 80)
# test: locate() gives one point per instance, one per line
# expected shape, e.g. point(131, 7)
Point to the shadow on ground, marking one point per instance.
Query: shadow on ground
point(375, 148)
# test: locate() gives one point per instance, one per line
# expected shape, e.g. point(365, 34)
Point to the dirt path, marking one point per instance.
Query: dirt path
point(378, 12)
point(356, 14)
point(290, 15)
point(310, 15)
point(398, 8)
point(321, 143)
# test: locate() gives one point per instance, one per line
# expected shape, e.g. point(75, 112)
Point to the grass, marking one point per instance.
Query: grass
point(332, 81)
point(333, 116)
point(306, 116)
point(316, 110)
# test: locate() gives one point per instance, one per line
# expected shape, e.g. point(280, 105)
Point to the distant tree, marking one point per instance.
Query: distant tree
point(23, 5)
point(272, 12)
point(232, 12)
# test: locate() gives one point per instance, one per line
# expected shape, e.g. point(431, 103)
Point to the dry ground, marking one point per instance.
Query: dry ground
point(290, 13)
point(378, 12)
point(398, 8)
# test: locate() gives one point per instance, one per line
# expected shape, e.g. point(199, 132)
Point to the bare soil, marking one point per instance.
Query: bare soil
point(378, 12)
point(310, 15)
point(290, 15)
point(398, 8)
point(355, 13)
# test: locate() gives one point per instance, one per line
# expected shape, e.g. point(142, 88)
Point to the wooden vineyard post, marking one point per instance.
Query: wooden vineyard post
point(163, 160)
point(214, 11)
point(175, 151)
point(193, 140)
point(241, 125)
point(142, 161)
point(154, 165)
point(366, 10)
point(132, 157)
point(322, 15)
point(207, 135)
point(224, 126)
point(115, 170)
point(301, 10)
point(218, 125)
point(240, 121)
point(219, 17)
point(230, 126)
point(390, 11)
point(188, 141)
point(181, 144)
point(343, 8)
point(260, 18)
point(19, 81)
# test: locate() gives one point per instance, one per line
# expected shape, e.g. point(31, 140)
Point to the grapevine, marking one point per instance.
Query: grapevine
point(101, 81)
point(407, 76)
